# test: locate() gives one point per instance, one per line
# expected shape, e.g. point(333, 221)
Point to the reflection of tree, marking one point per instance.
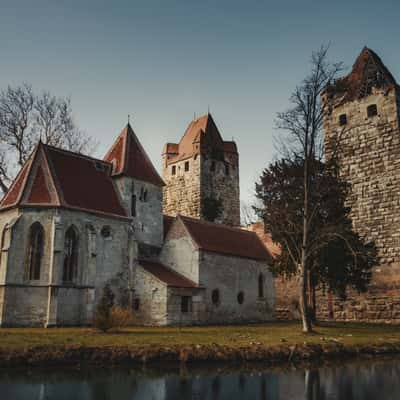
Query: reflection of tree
point(242, 382)
point(216, 387)
point(263, 388)
point(312, 385)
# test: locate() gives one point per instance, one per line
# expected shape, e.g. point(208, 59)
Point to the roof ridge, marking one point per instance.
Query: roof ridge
point(74, 153)
point(215, 224)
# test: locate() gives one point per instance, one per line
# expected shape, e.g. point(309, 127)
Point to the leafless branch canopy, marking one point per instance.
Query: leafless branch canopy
point(25, 118)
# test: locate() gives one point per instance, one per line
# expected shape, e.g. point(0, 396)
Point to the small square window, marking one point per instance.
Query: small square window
point(186, 166)
point(186, 304)
point(173, 170)
point(342, 119)
point(372, 110)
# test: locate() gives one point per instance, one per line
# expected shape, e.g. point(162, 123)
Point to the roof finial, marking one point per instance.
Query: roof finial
point(129, 119)
point(194, 116)
point(208, 109)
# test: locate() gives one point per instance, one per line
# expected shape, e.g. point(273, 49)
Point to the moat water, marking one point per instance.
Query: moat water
point(357, 380)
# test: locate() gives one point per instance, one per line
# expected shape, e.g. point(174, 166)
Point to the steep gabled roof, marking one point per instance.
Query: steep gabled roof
point(167, 275)
point(58, 178)
point(130, 159)
point(223, 239)
point(368, 71)
point(202, 135)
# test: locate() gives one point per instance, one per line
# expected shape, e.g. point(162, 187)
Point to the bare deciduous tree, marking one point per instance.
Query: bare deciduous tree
point(25, 118)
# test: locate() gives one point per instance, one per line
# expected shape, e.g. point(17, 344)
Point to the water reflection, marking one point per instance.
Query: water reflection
point(351, 381)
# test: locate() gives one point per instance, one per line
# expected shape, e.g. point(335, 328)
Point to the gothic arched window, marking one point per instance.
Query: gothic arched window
point(260, 285)
point(71, 244)
point(35, 250)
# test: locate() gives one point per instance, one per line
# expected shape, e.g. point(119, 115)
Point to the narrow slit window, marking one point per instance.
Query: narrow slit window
point(133, 205)
point(227, 169)
point(173, 170)
point(186, 166)
point(261, 286)
point(36, 241)
point(342, 119)
point(70, 255)
point(372, 110)
point(212, 168)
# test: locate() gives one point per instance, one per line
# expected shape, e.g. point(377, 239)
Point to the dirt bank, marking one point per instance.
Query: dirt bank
point(276, 355)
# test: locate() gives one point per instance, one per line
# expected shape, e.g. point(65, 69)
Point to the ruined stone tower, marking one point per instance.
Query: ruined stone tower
point(201, 174)
point(362, 128)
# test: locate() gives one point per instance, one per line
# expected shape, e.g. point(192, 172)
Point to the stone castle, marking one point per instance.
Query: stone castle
point(70, 224)
point(362, 130)
point(170, 247)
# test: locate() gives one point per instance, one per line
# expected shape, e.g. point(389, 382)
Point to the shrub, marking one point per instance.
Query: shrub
point(103, 320)
point(121, 317)
point(109, 316)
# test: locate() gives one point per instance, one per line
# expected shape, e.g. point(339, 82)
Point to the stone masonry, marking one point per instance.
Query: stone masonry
point(202, 175)
point(362, 130)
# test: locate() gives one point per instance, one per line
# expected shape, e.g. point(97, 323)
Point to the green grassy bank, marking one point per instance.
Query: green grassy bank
point(272, 342)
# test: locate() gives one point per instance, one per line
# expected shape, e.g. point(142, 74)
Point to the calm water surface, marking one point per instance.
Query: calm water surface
point(361, 380)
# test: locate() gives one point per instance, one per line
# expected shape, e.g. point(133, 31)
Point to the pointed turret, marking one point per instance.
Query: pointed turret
point(201, 136)
point(129, 158)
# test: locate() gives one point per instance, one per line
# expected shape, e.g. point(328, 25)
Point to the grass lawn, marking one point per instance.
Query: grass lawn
point(269, 334)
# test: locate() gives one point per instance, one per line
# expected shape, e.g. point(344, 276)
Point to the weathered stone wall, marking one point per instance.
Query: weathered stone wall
point(208, 177)
point(180, 254)
point(182, 193)
point(151, 294)
point(368, 151)
point(101, 260)
point(192, 317)
point(148, 222)
point(24, 305)
point(380, 304)
point(222, 184)
point(231, 275)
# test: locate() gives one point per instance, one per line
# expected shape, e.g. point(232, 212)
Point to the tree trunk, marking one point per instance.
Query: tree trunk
point(307, 328)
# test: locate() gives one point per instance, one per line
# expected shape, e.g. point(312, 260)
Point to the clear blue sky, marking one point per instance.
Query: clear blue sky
point(161, 61)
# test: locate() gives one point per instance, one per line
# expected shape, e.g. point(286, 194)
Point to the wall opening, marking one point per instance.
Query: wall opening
point(35, 252)
point(372, 110)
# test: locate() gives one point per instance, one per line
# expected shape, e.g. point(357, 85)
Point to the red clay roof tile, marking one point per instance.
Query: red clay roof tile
point(201, 136)
point(167, 275)
point(130, 159)
point(79, 182)
point(224, 239)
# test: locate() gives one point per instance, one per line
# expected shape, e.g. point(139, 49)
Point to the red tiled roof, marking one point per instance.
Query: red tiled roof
point(202, 135)
point(366, 68)
point(60, 178)
point(167, 275)
point(14, 193)
point(130, 159)
point(224, 239)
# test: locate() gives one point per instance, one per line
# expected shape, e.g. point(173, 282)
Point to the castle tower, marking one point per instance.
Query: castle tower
point(202, 175)
point(139, 186)
point(361, 128)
